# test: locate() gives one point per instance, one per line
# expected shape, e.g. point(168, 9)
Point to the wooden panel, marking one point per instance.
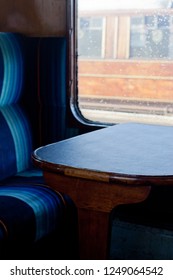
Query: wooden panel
point(110, 31)
point(125, 87)
point(126, 79)
point(127, 67)
point(124, 36)
point(34, 17)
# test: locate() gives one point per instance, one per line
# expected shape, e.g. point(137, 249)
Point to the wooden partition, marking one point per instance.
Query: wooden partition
point(34, 17)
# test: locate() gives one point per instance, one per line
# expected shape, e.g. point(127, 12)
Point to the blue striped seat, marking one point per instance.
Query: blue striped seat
point(11, 68)
point(15, 141)
point(36, 222)
point(15, 137)
point(30, 212)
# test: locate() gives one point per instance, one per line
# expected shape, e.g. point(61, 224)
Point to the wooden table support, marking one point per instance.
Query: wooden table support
point(94, 201)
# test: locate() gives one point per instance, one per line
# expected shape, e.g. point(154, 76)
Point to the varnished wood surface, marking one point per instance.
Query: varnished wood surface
point(96, 195)
point(94, 201)
point(150, 80)
point(142, 68)
point(132, 88)
point(127, 153)
point(34, 17)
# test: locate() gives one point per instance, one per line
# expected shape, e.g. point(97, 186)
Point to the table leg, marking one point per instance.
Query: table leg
point(93, 234)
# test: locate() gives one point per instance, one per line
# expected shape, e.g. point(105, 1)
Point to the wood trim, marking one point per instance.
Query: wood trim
point(126, 12)
point(139, 88)
point(143, 68)
point(123, 37)
point(34, 17)
point(110, 31)
point(85, 192)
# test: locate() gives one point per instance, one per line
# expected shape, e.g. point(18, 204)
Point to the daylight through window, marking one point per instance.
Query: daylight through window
point(125, 61)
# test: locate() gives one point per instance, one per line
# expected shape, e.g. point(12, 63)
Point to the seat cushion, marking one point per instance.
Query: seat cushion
point(30, 212)
point(29, 176)
point(36, 222)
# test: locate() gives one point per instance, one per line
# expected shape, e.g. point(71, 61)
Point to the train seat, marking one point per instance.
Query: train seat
point(32, 216)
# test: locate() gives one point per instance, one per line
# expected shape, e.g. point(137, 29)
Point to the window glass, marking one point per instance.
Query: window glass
point(125, 60)
point(150, 37)
point(90, 35)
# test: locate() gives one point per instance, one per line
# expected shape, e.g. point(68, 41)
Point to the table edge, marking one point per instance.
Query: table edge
point(96, 175)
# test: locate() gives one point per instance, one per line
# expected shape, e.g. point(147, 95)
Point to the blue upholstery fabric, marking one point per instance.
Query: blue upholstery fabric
point(52, 88)
point(1, 70)
point(53, 71)
point(29, 176)
point(56, 120)
point(12, 68)
point(15, 137)
point(36, 222)
point(15, 141)
point(42, 209)
point(30, 212)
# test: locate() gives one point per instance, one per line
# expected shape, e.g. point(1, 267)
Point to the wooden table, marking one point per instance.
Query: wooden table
point(105, 168)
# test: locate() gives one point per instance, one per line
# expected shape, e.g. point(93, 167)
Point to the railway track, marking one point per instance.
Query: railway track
point(164, 108)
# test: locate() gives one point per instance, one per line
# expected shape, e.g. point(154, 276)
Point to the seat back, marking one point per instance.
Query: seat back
point(15, 131)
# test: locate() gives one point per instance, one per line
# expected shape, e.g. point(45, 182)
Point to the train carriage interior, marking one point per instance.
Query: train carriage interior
point(51, 53)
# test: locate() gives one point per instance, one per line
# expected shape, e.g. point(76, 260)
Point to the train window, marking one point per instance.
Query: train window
point(151, 39)
point(124, 61)
point(90, 37)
